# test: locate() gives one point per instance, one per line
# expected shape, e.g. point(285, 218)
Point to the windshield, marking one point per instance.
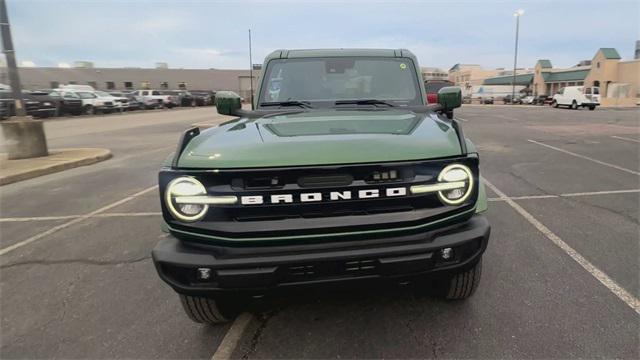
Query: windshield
point(71, 96)
point(86, 95)
point(103, 94)
point(318, 80)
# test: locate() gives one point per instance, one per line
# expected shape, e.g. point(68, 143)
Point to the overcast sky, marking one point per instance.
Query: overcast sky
point(213, 34)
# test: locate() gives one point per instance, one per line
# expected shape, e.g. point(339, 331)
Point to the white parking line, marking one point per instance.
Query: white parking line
point(586, 158)
point(616, 289)
point(507, 117)
point(233, 336)
point(590, 193)
point(625, 138)
point(40, 218)
point(55, 229)
point(66, 217)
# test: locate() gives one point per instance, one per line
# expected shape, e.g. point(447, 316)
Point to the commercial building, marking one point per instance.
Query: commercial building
point(469, 75)
point(618, 80)
point(433, 73)
point(136, 78)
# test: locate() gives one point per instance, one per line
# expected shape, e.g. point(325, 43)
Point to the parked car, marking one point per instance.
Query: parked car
point(67, 104)
point(154, 99)
point(540, 100)
point(203, 97)
point(577, 96)
point(133, 102)
point(512, 100)
point(432, 87)
point(91, 103)
point(121, 103)
point(179, 97)
point(528, 100)
point(485, 99)
point(33, 106)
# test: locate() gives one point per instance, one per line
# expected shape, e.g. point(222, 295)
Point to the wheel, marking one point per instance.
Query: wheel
point(89, 110)
point(462, 285)
point(554, 104)
point(210, 311)
point(591, 108)
point(574, 105)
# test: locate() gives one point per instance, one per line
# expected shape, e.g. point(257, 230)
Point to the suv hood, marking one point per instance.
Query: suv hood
point(322, 137)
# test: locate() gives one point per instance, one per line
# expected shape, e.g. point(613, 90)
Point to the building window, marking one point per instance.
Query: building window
point(111, 85)
point(182, 85)
point(128, 85)
point(54, 84)
point(598, 64)
point(580, 83)
point(145, 85)
point(164, 85)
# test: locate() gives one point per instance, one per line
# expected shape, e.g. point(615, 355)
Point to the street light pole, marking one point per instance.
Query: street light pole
point(250, 70)
point(24, 137)
point(7, 45)
point(517, 14)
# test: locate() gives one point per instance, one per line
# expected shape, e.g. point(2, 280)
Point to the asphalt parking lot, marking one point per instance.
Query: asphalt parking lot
point(561, 276)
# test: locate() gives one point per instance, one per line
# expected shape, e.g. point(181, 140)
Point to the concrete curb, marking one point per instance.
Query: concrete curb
point(58, 160)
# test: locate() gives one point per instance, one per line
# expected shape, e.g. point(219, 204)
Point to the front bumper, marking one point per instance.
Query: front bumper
point(258, 269)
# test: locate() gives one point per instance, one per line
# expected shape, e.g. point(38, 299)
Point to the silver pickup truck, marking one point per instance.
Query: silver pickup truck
point(153, 99)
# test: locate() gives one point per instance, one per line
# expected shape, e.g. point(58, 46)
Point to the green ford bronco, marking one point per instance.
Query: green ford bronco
point(342, 173)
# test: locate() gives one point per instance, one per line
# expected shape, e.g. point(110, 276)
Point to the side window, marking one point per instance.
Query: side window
point(596, 91)
point(561, 91)
point(587, 91)
point(155, 93)
point(145, 93)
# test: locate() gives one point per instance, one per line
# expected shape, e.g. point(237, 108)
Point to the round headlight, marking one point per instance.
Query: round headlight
point(456, 173)
point(185, 186)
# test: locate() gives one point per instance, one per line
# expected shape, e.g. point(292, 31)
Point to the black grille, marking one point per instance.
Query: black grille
point(325, 216)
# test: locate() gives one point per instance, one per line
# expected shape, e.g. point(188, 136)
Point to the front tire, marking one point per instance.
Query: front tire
point(591, 108)
point(463, 284)
point(574, 105)
point(89, 110)
point(555, 104)
point(209, 311)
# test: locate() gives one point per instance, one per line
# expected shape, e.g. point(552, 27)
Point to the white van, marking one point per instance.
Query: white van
point(577, 96)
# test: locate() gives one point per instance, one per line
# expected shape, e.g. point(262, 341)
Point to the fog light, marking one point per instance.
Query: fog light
point(204, 273)
point(446, 253)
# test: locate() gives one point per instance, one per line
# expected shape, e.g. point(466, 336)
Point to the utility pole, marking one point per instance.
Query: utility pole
point(517, 14)
point(24, 137)
point(250, 71)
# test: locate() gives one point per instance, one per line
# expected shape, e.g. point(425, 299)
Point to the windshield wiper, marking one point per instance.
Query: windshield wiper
point(302, 104)
point(364, 102)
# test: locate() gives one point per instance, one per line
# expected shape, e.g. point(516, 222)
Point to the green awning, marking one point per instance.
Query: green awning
point(522, 79)
point(571, 75)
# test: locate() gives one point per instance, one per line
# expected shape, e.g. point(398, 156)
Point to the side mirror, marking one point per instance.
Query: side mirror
point(228, 102)
point(450, 97)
